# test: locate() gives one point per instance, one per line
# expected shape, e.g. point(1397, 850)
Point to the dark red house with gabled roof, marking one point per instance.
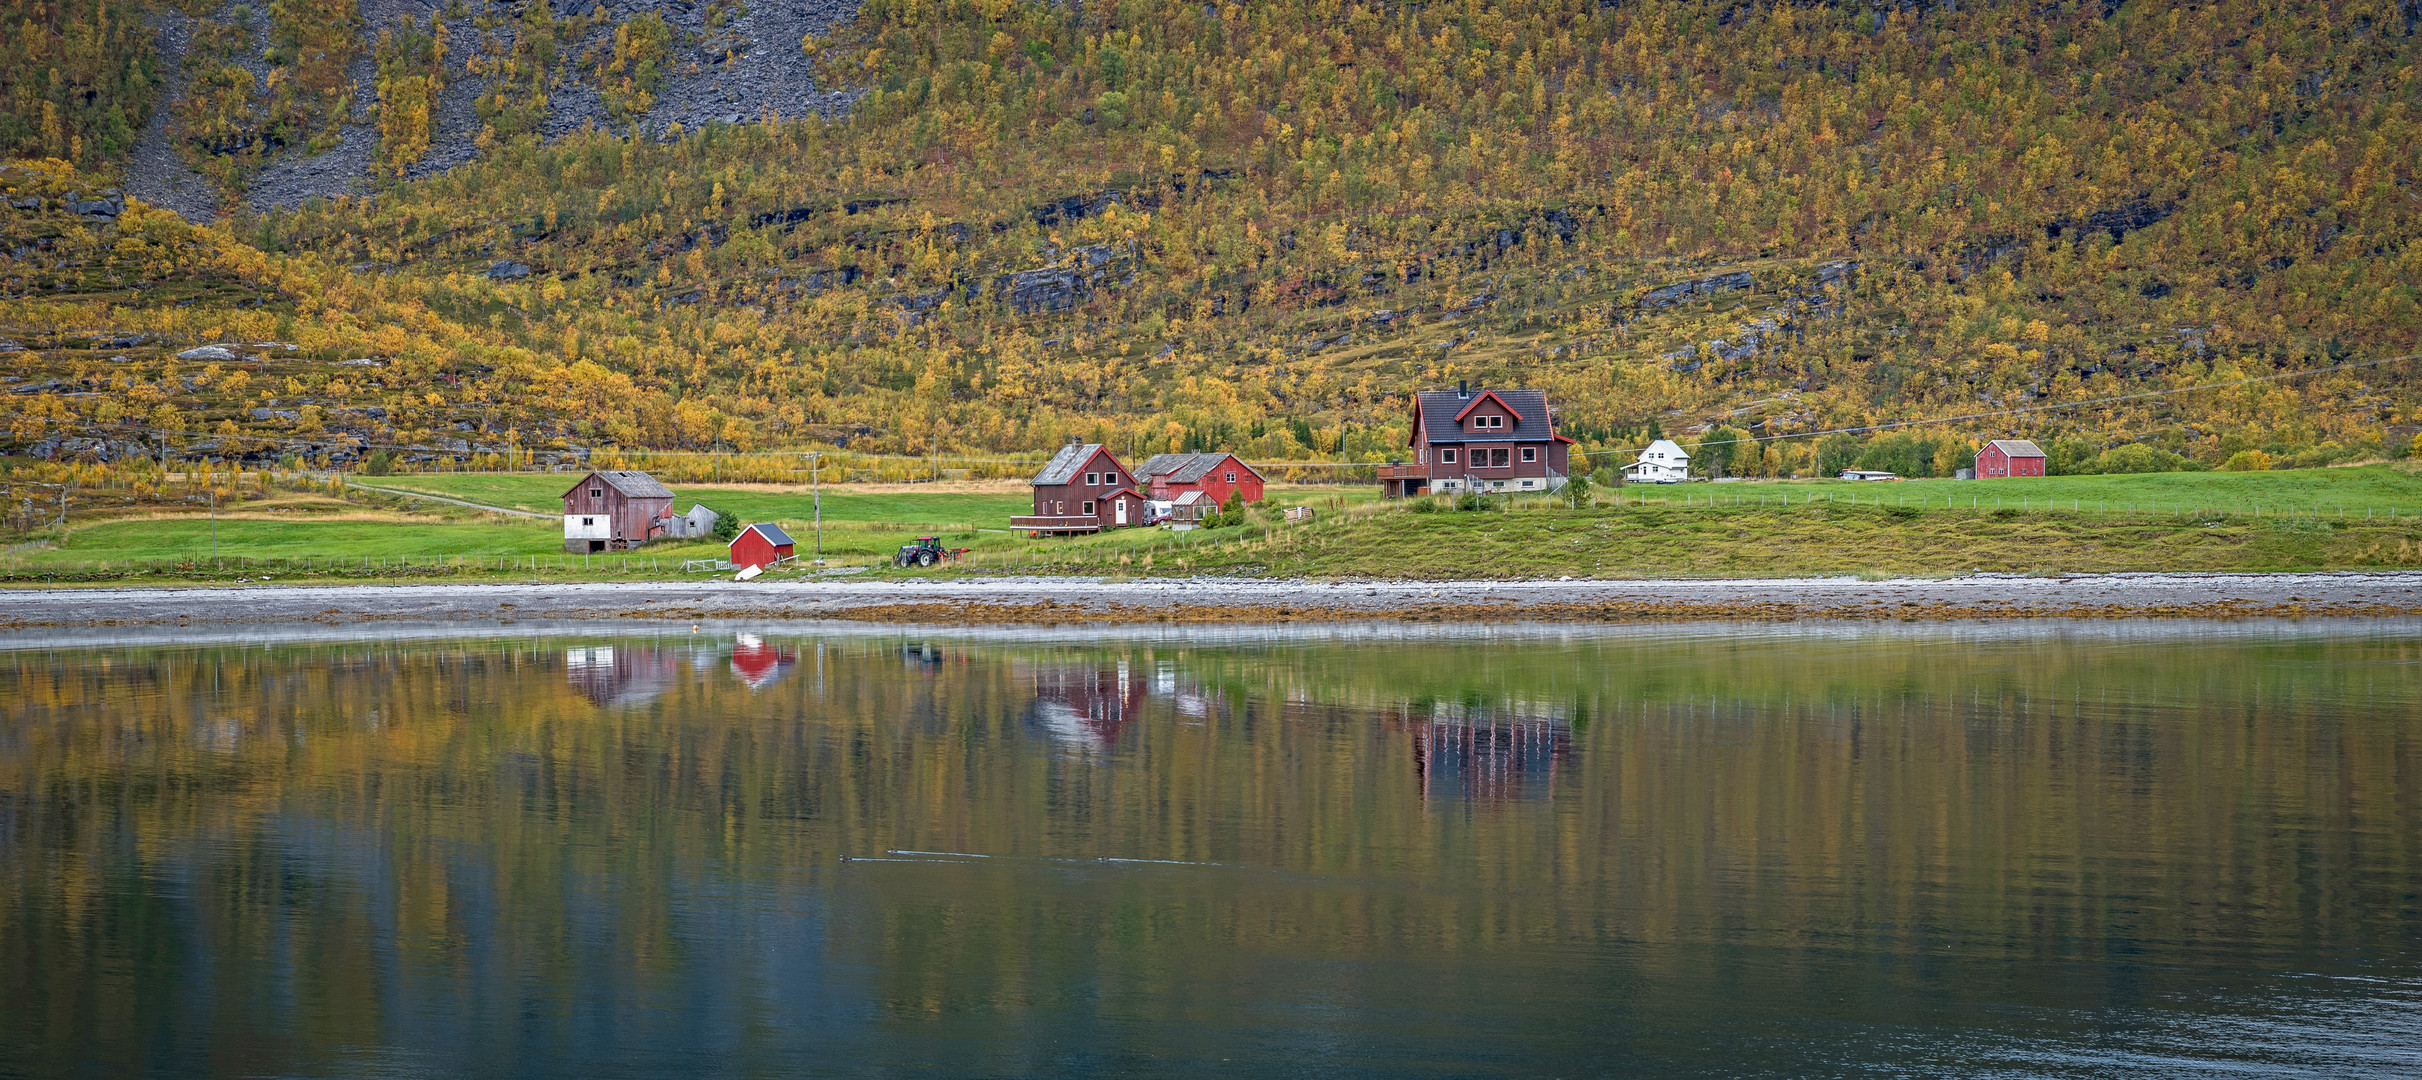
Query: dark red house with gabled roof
point(1082, 489)
point(2009, 457)
point(1216, 475)
point(1487, 440)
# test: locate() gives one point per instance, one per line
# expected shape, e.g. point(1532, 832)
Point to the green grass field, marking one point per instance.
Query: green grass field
point(2378, 488)
point(543, 493)
point(2314, 519)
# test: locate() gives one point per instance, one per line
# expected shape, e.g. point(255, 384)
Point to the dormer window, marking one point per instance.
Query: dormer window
point(1485, 423)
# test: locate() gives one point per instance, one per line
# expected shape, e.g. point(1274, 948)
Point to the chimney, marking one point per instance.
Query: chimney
point(1463, 388)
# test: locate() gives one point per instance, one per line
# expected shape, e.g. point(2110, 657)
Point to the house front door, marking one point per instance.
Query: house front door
point(1119, 511)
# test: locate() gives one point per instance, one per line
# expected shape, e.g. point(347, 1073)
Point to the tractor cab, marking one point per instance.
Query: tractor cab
point(927, 551)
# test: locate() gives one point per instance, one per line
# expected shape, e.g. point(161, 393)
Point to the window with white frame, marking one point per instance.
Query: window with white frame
point(1446, 455)
point(1092, 480)
point(1530, 453)
point(1088, 506)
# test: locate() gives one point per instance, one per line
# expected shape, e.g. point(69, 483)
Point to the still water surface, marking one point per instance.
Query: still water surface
point(1817, 851)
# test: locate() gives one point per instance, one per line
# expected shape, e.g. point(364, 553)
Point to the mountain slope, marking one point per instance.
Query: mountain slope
point(1173, 224)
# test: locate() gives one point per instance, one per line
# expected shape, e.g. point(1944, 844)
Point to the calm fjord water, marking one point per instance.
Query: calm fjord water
point(1814, 851)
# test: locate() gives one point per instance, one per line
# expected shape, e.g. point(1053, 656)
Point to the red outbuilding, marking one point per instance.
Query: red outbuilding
point(1218, 476)
point(761, 544)
point(2009, 457)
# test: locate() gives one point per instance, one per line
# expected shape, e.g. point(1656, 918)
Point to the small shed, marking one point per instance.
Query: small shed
point(614, 510)
point(762, 544)
point(2009, 457)
point(699, 522)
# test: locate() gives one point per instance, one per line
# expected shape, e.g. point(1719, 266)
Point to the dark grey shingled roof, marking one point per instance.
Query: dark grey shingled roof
point(1184, 468)
point(632, 483)
point(1063, 466)
point(1438, 409)
point(773, 533)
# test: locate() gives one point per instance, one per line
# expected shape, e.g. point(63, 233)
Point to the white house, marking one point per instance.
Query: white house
point(1664, 462)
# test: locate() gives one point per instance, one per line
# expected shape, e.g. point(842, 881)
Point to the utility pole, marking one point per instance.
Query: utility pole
point(214, 525)
point(815, 475)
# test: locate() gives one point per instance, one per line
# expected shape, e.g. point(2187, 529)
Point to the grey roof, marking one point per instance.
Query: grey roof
point(1186, 468)
point(1438, 409)
point(1063, 466)
point(2018, 447)
point(772, 532)
point(630, 482)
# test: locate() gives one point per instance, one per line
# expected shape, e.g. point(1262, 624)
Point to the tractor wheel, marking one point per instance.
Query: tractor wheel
point(925, 558)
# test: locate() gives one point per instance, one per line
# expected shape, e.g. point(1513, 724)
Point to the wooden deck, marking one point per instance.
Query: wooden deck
point(1061, 524)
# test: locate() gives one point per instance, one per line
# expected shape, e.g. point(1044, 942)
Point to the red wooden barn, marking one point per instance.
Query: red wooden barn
point(2009, 457)
point(1082, 489)
point(614, 510)
point(761, 544)
point(1217, 476)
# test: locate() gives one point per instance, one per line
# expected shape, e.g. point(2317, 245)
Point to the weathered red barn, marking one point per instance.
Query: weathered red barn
point(1489, 440)
point(1216, 475)
point(1082, 489)
point(613, 510)
point(761, 544)
point(2009, 457)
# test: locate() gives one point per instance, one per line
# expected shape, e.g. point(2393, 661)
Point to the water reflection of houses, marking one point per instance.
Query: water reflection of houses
point(617, 677)
point(1084, 704)
point(760, 663)
point(1489, 754)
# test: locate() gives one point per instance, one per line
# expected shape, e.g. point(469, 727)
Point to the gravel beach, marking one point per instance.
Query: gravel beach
point(1054, 601)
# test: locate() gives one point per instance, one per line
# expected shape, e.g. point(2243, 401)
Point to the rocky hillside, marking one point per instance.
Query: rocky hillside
point(720, 62)
point(1179, 225)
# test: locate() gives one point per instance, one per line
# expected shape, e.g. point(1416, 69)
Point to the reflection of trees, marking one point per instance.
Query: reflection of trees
point(376, 828)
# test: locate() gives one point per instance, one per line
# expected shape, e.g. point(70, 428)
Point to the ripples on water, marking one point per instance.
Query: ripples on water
point(2019, 850)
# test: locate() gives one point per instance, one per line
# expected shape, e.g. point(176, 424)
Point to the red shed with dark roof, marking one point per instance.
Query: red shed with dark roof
point(762, 544)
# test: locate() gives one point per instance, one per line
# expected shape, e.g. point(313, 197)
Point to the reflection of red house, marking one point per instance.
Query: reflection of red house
point(1487, 756)
point(1217, 476)
point(758, 663)
point(615, 677)
point(761, 545)
point(1086, 705)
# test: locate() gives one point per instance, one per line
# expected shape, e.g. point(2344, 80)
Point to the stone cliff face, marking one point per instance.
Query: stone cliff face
point(724, 68)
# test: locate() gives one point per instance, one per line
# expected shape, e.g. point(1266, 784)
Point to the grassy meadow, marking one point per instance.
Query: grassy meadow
point(2366, 517)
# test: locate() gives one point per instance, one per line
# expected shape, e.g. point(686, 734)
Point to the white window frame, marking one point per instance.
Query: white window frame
point(1530, 454)
point(1093, 480)
point(1446, 455)
point(1089, 511)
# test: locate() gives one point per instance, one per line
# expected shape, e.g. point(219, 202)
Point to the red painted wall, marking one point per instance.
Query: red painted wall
point(1993, 463)
point(751, 548)
point(1215, 483)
